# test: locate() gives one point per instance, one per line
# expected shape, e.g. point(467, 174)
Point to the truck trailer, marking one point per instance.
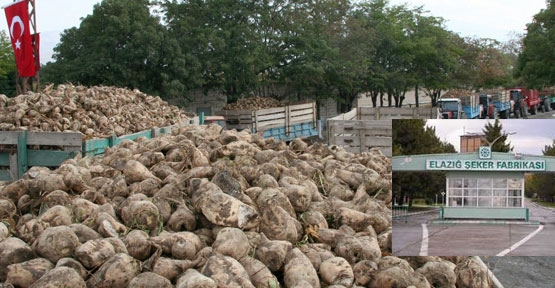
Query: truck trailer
point(495, 104)
point(524, 101)
point(464, 106)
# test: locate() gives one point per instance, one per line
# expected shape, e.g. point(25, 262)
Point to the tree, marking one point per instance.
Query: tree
point(494, 132)
point(435, 56)
point(536, 62)
point(7, 66)
point(483, 63)
point(412, 137)
point(120, 44)
point(396, 53)
point(542, 184)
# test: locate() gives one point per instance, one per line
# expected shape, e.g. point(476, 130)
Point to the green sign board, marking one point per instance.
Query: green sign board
point(485, 165)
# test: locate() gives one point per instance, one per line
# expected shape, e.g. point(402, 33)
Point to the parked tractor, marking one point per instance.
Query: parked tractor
point(524, 101)
point(449, 108)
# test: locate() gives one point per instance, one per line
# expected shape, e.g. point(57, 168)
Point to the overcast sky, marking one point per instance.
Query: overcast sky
point(496, 19)
point(476, 18)
point(532, 135)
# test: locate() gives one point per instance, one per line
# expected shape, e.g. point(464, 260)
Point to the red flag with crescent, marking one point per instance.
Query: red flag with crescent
point(17, 15)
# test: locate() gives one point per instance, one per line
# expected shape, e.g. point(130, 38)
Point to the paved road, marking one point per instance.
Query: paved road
point(476, 239)
point(543, 243)
point(407, 234)
point(540, 115)
point(523, 272)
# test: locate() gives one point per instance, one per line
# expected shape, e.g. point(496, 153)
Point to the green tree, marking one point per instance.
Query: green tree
point(483, 63)
point(7, 66)
point(542, 185)
point(353, 40)
point(396, 53)
point(311, 67)
point(435, 55)
point(221, 36)
point(536, 63)
point(494, 132)
point(120, 44)
point(413, 137)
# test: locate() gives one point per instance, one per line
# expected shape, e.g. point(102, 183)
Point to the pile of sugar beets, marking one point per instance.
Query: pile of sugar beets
point(207, 207)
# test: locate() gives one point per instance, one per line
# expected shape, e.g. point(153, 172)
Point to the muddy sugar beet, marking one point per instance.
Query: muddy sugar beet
point(202, 206)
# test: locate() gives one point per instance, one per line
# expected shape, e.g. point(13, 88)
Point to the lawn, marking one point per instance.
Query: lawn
point(543, 203)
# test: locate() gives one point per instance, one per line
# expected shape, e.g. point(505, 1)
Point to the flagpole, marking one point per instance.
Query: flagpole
point(36, 46)
point(25, 44)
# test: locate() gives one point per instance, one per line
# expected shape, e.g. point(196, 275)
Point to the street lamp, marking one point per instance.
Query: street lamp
point(490, 144)
point(442, 198)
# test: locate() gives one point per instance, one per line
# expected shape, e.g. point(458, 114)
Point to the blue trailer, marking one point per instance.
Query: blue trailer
point(502, 103)
point(472, 112)
point(495, 104)
point(471, 106)
point(282, 123)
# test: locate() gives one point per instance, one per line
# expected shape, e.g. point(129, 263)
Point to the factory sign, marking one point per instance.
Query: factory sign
point(485, 165)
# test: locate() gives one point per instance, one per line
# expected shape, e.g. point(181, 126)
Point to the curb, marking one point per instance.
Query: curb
point(415, 214)
point(425, 212)
point(494, 279)
point(490, 222)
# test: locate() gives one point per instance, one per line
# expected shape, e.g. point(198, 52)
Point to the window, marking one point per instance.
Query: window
point(514, 193)
point(470, 201)
point(515, 202)
point(499, 201)
point(484, 182)
point(514, 183)
point(499, 183)
point(484, 202)
point(455, 183)
point(470, 182)
point(456, 193)
point(485, 192)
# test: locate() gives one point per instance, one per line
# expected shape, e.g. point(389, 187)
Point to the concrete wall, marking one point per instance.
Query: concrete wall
point(365, 100)
point(208, 103)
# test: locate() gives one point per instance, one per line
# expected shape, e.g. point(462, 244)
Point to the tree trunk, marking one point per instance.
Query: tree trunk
point(435, 95)
point(416, 95)
point(374, 96)
point(389, 99)
point(402, 98)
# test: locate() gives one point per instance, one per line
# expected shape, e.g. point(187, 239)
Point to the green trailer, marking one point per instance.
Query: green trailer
point(21, 150)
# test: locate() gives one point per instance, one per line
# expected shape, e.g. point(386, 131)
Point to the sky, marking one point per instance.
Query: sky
point(531, 137)
point(53, 17)
point(495, 19)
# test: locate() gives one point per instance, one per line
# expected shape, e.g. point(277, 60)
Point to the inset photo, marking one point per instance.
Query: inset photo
point(473, 187)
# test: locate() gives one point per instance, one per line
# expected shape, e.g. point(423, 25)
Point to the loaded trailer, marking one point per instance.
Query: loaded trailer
point(282, 123)
point(21, 150)
point(365, 128)
point(495, 104)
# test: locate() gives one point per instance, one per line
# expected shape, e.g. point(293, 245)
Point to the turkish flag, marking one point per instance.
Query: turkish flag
point(22, 42)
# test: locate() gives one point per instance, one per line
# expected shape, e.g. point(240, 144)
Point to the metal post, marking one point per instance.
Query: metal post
point(22, 161)
point(36, 45)
point(522, 192)
point(25, 82)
